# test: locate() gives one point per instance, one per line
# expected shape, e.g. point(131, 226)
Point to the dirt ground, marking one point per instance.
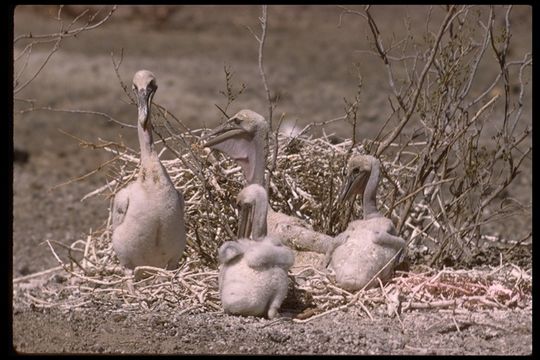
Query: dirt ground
point(309, 61)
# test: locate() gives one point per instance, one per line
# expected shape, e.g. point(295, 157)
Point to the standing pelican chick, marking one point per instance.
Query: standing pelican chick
point(243, 138)
point(148, 214)
point(367, 246)
point(253, 272)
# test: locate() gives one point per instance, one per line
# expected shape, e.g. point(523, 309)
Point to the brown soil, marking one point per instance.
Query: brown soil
point(106, 331)
point(309, 61)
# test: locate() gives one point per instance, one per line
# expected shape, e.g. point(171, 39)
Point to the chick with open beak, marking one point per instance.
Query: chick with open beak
point(242, 137)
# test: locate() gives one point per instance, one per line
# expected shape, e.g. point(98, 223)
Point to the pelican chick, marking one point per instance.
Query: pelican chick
point(243, 139)
point(253, 277)
point(148, 214)
point(367, 246)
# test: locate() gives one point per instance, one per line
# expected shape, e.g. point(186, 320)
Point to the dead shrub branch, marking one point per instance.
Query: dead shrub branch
point(64, 31)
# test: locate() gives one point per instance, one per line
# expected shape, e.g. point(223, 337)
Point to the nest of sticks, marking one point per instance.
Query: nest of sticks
point(305, 174)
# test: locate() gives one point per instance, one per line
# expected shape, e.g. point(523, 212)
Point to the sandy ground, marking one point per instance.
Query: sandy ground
point(309, 61)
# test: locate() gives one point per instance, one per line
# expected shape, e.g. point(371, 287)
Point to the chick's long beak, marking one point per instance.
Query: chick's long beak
point(223, 132)
point(244, 221)
point(144, 99)
point(351, 185)
point(344, 193)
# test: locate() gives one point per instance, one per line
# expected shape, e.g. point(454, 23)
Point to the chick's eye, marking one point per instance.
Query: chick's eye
point(355, 171)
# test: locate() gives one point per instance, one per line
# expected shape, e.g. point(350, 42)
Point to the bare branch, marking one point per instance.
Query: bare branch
point(397, 130)
point(56, 38)
point(87, 112)
point(73, 32)
point(263, 19)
